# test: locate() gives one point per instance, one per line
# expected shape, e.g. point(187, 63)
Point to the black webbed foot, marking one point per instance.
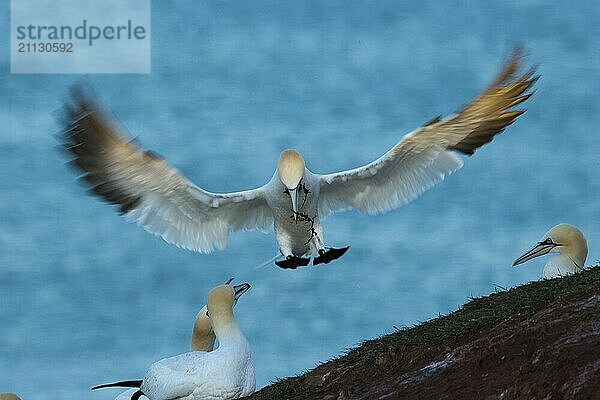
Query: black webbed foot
point(292, 262)
point(325, 257)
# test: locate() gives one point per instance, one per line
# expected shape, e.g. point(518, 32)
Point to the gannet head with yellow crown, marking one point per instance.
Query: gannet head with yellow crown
point(203, 337)
point(570, 244)
point(219, 303)
point(291, 170)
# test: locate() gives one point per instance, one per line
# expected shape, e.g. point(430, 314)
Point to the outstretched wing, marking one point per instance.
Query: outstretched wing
point(423, 157)
point(149, 191)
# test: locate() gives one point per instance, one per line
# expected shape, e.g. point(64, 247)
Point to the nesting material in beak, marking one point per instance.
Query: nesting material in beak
point(539, 250)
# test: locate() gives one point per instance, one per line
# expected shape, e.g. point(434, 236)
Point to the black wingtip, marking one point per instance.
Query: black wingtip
point(433, 121)
point(82, 91)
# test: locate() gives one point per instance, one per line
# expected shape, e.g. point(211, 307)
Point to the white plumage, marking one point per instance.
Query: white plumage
point(164, 202)
point(570, 247)
point(222, 374)
point(203, 339)
point(225, 373)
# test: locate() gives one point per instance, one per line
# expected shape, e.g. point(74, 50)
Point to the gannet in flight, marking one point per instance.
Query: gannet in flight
point(203, 339)
point(568, 242)
point(224, 373)
point(161, 200)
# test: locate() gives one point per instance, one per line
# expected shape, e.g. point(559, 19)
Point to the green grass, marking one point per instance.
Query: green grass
point(398, 351)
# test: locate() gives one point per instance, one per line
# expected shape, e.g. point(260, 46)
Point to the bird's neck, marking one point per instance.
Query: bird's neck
point(226, 329)
point(577, 252)
point(561, 265)
point(203, 339)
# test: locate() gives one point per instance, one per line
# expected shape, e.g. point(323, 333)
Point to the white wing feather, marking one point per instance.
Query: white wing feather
point(376, 190)
point(152, 193)
point(424, 157)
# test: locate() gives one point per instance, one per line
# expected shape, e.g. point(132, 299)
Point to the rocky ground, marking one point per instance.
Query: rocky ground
point(536, 341)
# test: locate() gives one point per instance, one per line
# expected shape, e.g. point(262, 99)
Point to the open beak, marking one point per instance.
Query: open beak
point(239, 290)
point(294, 196)
point(539, 250)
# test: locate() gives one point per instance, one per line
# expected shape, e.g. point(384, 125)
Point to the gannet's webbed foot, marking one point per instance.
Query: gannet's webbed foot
point(292, 262)
point(325, 257)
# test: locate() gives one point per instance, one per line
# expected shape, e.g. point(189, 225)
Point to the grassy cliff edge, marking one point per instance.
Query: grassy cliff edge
point(539, 340)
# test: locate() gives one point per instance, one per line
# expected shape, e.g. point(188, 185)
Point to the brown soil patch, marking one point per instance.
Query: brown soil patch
point(554, 354)
point(505, 346)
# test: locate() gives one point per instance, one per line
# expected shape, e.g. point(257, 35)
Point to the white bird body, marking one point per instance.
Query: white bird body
point(221, 374)
point(164, 202)
point(203, 339)
point(560, 265)
point(225, 373)
point(570, 247)
point(303, 234)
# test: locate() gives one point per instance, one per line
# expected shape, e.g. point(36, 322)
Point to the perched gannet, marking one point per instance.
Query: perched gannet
point(568, 242)
point(165, 203)
point(203, 339)
point(9, 396)
point(224, 373)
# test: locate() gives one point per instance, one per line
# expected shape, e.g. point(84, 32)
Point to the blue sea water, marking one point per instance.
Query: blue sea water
point(87, 298)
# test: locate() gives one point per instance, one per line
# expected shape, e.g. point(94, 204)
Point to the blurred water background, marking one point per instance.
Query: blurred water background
point(87, 298)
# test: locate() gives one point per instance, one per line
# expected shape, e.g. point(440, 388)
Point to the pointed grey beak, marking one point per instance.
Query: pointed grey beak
point(294, 196)
point(539, 250)
point(239, 290)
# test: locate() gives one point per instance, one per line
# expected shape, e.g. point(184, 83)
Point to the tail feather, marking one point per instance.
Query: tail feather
point(129, 384)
